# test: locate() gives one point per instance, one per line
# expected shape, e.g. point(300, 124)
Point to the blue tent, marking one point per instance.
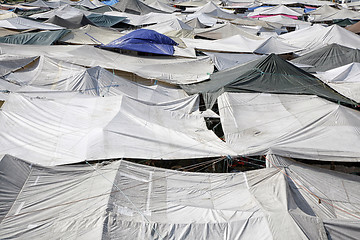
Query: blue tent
point(144, 40)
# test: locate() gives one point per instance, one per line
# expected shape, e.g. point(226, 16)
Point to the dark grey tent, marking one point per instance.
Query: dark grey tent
point(135, 7)
point(101, 20)
point(270, 74)
point(104, 9)
point(70, 23)
point(329, 57)
point(37, 38)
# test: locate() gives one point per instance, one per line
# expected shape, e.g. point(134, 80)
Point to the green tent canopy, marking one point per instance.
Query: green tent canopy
point(270, 74)
point(329, 57)
point(37, 38)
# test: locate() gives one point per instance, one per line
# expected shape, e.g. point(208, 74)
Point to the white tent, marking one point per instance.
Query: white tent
point(340, 14)
point(125, 200)
point(142, 20)
point(165, 68)
point(57, 130)
point(91, 4)
point(240, 44)
point(287, 22)
point(345, 80)
point(48, 74)
point(91, 35)
point(299, 126)
point(64, 12)
point(213, 10)
point(162, 6)
point(19, 23)
point(173, 28)
point(220, 31)
point(277, 10)
point(317, 36)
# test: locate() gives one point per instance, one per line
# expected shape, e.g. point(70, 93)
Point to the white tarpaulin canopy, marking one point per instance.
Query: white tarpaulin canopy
point(55, 130)
point(241, 44)
point(91, 35)
point(345, 80)
point(19, 23)
point(169, 69)
point(296, 126)
point(48, 74)
point(64, 12)
point(279, 9)
point(317, 36)
point(131, 201)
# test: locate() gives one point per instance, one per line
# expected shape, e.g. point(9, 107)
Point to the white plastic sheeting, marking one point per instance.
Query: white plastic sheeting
point(131, 201)
point(286, 22)
point(276, 10)
point(19, 23)
point(141, 20)
point(330, 195)
point(169, 69)
point(241, 44)
point(345, 80)
point(57, 130)
point(53, 75)
point(317, 36)
point(220, 31)
point(224, 61)
point(296, 126)
point(91, 35)
point(64, 12)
